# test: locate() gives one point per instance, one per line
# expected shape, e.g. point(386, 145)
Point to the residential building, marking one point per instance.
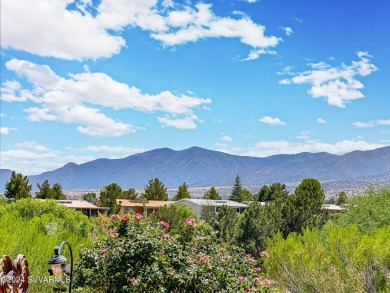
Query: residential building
point(139, 206)
point(198, 204)
point(84, 206)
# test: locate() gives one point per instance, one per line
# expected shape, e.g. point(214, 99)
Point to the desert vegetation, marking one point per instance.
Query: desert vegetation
point(288, 244)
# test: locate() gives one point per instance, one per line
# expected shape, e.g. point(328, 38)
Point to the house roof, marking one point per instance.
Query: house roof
point(333, 207)
point(79, 204)
point(213, 202)
point(141, 203)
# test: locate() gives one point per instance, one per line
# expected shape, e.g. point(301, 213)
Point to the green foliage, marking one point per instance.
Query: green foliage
point(148, 258)
point(258, 223)
point(273, 192)
point(304, 207)
point(227, 223)
point(155, 190)
point(17, 187)
point(108, 196)
point(342, 198)
point(368, 211)
point(33, 228)
point(90, 197)
point(212, 194)
point(129, 194)
point(182, 192)
point(174, 214)
point(45, 191)
point(332, 260)
point(237, 190)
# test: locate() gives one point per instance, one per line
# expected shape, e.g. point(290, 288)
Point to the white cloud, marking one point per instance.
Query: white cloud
point(321, 121)
point(66, 99)
point(180, 123)
point(288, 30)
point(268, 148)
point(372, 123)
point(30, 162)
point(220, 145)
point(272, 121)
point(225, 137)
point(49, 28)
point(6, 130)
point(338, 85)
point(304, 135)
point(32, 145)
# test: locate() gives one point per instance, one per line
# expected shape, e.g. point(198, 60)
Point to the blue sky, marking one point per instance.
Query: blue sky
point(106, 79)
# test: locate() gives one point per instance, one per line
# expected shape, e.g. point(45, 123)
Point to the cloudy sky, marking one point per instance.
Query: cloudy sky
point(90, 79)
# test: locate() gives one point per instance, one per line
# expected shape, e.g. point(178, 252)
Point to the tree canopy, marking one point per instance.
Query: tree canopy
point(155, 190)
point(17, 187)
point(182, 192)
point(108, 196)
point(212, 194)
point(45, 191)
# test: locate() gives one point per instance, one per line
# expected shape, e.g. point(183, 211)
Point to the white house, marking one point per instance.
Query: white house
point(197, 204)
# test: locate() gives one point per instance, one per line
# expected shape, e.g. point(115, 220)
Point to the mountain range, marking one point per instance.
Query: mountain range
point(201, 167)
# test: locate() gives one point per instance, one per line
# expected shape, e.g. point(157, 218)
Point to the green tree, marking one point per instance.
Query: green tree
point(17, 187)
point(129, 194)
point(368, 210)
point(246, 195)
point(155, 190)
point(227, 223)
point(342, 198)
point(44, 190)
point(108, 196)
point(237, 190)
point(182, 192)
point(212, 194)
point(304, 207)
point(57, 191)
point(90, 197)
point(274, 191)
point(258, 224)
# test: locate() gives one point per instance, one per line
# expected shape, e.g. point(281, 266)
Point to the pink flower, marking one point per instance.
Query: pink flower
point(240, 277)
point(191, 222)
point(269, 282)
point(165, 224)
point(249, 255)
point(258, 269)
point(114, 216)
point(264, 253)
point(104, 253)
point(254, 262)
point(246, 290)
point(138, 216)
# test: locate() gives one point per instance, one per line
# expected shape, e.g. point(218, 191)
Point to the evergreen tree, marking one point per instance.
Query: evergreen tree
point(48, 192)
point(237, 190)
point(44, 190)
point(108, 196)
point(90, 197)
point(272, 192)
point(182, 192)
point(304, 207)
point(155, 190)
point(342, 198)
point(212, 194)
point(129, 194)
point(258, 223)
point(227, 223)
point(17, 187)
point(57, 191)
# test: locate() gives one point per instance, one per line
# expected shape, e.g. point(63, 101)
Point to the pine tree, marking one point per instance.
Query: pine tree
point(17, 187)
point(182, 192)
point(212, 194)
point(237, 190)
point(155, 190)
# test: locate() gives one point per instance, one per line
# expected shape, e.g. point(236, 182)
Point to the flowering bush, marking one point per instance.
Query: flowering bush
point(146, 257)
